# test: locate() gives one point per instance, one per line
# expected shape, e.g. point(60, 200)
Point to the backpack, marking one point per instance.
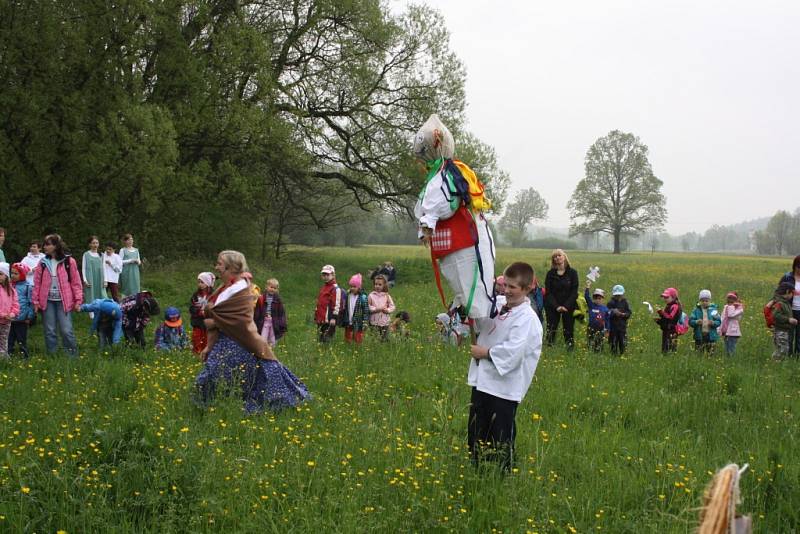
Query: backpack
point(341, 296)
point(769, 313)
point(682, 326)
point(66, 267)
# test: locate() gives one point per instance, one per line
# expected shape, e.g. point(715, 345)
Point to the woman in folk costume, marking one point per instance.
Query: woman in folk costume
point(450, 214)
point(237, 359)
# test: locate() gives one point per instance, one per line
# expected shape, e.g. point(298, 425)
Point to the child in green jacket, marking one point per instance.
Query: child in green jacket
point(784, 322)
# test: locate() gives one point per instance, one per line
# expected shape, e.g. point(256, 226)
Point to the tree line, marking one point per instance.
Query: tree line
point(208, 124)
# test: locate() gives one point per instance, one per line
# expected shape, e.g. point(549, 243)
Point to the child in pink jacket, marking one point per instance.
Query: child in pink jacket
point(57, 292)
point(731, 315)
point(9, 307)
point(381, 306)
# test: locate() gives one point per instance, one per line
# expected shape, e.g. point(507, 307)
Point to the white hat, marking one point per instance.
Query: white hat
point(327, 269)
point(705, 294)
point(5, 268)
point(618, 290)
point(599, 291)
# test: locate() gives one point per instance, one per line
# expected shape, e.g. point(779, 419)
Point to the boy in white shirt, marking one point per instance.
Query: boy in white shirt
point(502, 367)
point(112, 266)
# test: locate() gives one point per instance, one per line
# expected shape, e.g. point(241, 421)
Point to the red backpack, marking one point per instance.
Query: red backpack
point(769, 314)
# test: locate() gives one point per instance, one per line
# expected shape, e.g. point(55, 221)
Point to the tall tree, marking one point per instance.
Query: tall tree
point(780, 228)
point(619, 192)
point(528, 206)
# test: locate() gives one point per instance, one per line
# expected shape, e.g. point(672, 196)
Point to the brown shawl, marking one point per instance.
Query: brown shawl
point(234, 317)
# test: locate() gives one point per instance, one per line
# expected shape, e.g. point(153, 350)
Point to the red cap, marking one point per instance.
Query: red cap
point(670, 292)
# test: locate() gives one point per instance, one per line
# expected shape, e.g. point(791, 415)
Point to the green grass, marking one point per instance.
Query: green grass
point(112, 443)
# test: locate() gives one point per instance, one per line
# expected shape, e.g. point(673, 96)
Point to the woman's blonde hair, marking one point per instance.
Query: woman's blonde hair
point(555, 253)
point(274, 282)
point(234, 260)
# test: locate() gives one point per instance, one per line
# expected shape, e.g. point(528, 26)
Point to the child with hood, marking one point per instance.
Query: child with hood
point(619, 311)
point(136, 312)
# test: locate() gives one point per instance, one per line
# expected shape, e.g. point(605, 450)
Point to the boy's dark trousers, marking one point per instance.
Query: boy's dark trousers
point(617, 339)
point(326, 332)
point(596, 339)
point(491, 430)
point(18, 334)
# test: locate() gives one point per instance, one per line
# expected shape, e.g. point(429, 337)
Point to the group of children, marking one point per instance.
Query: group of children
point(355, 310)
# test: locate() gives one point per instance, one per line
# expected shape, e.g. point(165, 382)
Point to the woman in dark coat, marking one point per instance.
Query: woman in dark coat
point(561, 297)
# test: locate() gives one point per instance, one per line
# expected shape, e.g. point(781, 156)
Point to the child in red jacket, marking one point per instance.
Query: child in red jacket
point(328, 305)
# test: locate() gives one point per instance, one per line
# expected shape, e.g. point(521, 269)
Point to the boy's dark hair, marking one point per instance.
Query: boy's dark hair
point(521, 272)
point(35, 242)
point(785, 287)
point(403, 316)
point(111, 245)
point(796, 262)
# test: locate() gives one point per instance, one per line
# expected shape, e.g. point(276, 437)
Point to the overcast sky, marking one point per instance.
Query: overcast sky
point(711, 87)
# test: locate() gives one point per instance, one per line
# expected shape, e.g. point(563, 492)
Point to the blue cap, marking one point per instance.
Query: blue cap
point(172, 312)
point(617, 290)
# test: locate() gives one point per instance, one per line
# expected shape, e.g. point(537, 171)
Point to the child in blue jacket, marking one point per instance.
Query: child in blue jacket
point(598, 317)
point(705, 319)
point(20, 323)
point(106, 321)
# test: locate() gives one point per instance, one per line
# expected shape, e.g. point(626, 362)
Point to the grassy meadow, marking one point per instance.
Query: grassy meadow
point(111, 442)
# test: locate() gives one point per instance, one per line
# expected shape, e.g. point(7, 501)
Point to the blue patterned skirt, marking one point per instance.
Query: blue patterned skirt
point(262, 384)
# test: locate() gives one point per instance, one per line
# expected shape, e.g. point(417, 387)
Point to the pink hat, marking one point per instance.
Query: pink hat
point(732, 294)
point(356, 280)
point(670, 292)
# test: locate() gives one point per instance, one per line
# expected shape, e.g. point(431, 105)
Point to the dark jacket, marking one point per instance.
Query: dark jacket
point(360, 312)
point(277, 312)
point(196, 305)
point(668, 317)
point(619, 319)
point(561, 290)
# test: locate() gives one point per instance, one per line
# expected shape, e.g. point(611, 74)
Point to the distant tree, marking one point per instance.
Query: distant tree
point(689, 241)
point(781, 227)
point(763, 242)
point(528, 206)
point(619, 192)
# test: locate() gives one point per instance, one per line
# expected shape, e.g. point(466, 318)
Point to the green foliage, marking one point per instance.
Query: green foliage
point(619, 194)
point(257, 118)
point(112, 442)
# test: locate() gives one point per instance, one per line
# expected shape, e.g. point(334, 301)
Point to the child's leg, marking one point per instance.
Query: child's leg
point(348, 334)
point(384, 331)
point(12, 338)
point(359, 336)
point(666, 341)
point(64, 320)
point(730, 344)
point(21, 332)
point(781, 341)
point(492, 429)
point(113, 290)
point(5, 329)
